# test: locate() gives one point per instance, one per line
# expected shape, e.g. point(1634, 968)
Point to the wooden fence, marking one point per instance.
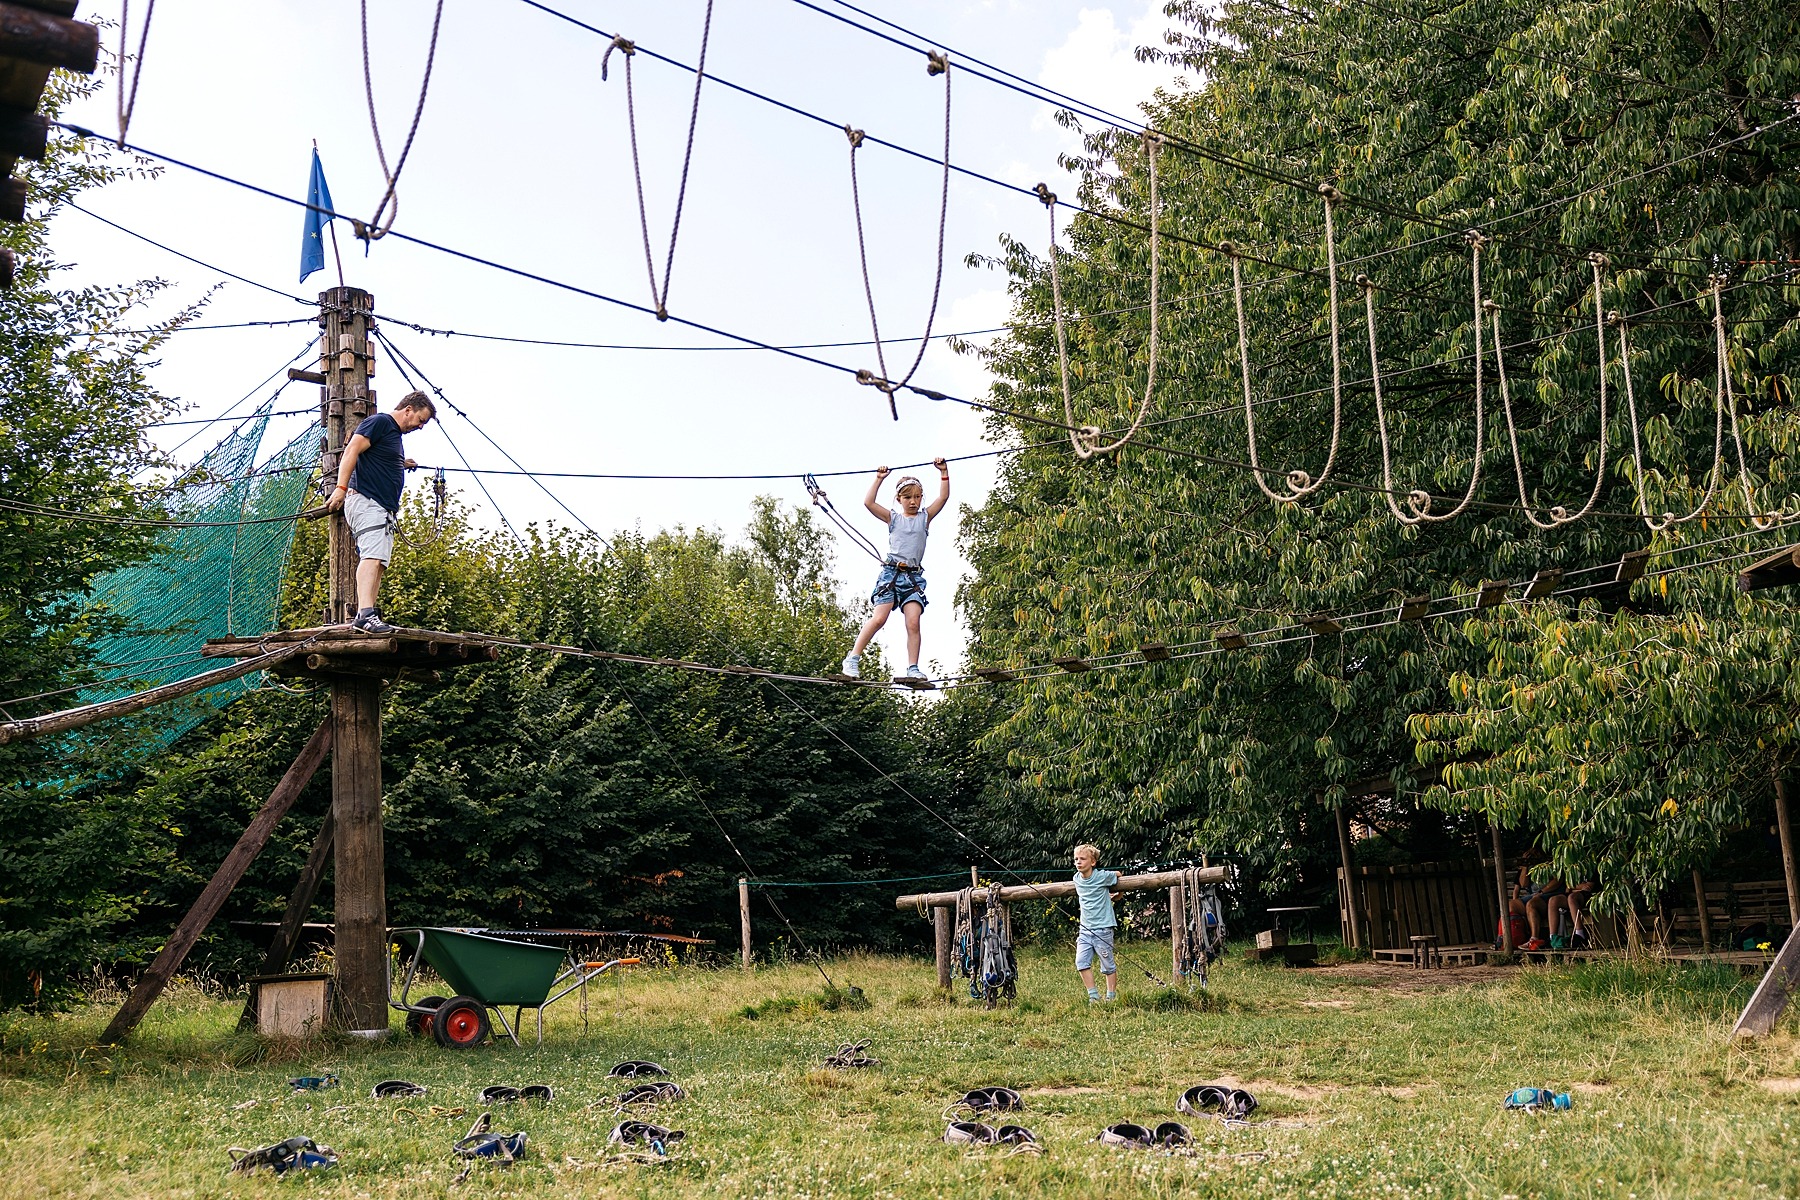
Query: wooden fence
point(1454, 900)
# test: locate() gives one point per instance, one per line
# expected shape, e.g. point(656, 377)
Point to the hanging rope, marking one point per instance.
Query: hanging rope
point(389, 208)
point(1558, 514)
point(1086, 439)
point(823, 502)
point(937, 64)
point(1300, 484)
point(1419, 500)
point(1722, 386)
point(659, 294)
point(128, 95)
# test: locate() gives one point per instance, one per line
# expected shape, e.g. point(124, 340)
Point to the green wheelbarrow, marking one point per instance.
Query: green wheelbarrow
point(485, 973)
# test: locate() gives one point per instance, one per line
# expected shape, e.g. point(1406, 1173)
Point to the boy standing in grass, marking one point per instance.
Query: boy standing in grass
point(1095, 938)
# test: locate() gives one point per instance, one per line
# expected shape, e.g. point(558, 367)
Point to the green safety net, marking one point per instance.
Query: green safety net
point(219, 576)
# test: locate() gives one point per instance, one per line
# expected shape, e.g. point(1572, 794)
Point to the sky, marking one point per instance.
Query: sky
point(523, 157)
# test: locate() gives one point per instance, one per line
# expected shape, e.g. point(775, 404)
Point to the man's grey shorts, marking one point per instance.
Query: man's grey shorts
point(372, 526)
point(1090, 943)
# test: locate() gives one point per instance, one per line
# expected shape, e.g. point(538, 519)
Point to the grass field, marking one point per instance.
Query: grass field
point(1372, 1081)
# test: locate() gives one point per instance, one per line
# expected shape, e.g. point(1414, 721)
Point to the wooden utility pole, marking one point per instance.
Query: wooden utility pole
point(1348, 864)
point(744, 920)
point(1790, 869)
point(360, 945)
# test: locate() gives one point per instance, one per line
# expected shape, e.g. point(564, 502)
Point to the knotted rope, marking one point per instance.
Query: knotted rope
point(1558, 514)
point(1086, 439)
point(659, 294)
point(937, 64)
point(1419, 500)
point(389, 207)
point(1300, 484)
point(128, 96)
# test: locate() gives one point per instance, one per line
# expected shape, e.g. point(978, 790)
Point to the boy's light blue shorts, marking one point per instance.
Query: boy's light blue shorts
point(1091, 943)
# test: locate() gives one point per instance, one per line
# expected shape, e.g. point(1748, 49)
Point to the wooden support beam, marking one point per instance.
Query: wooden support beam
point(322, 646)
point(1154, 651)
point(1063, 887)
point(1322, 624)
point(1780, 569)
point(995, 674)
point(1177, 929)
point(744, 921)
point(87, 714)
point(302, 375)
point(293, 918)
point(1506, 938)
point(943, 932)
point(1415, 608)
point(175, 951)
point(1544, 583)
point(26, 135)
point(48, 40)
point(1772, 994)
point(1073, 666)
point(361, 891)
point(1345, 859)
point(1790, 865)
point(1493, 592)
point(1700, 907)
point(1229, 638)
point(1631, 566)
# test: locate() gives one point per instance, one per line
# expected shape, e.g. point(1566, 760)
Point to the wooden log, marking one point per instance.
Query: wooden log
point(943, 922)
point(212, 898)
point(322, 646)
point(1177, 928)
point(13, 194)
point(1705, 916)
point(25, 134)
point(1790, 867)
point(302, 375)
point(1051, 891)
point(744, 922)
point(87, 714)
point(1772, 994)
point(1506, 938)
point(47, 39)
point(361, 944)
point(1349, 890)
point(60, 8)
point(299, 904)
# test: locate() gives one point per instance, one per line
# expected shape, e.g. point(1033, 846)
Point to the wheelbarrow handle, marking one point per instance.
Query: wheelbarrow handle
point(617, 962)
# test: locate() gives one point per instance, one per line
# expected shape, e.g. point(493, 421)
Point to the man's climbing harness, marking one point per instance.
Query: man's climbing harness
point(978, 1134)
point(985, 947)
point(389, 208)
point(1418, 501)
point(643, 1133)
point(659, 293)
point(852, 1054)
point(665, 1092)
point(503, 1094)
point(1299, 483)
point(295, 1154)
point(1558, 514)
point(1086, 439)
point(936, 64)
point(1203, 935)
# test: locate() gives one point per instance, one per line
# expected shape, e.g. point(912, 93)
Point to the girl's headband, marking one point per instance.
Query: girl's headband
point(904, 481)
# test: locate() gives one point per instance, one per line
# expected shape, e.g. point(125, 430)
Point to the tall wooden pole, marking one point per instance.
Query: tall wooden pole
point(942, 936)
point(1177, 928)
point(1506, 937)
point(345, 318)
point(1784, 825)
point(1349, 893)
point(744, 919)
point(1705, 916)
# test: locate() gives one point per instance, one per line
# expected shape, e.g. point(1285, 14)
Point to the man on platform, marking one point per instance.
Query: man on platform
point(371, 475)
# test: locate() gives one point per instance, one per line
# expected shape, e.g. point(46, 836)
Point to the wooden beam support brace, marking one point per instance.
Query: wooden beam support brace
point(943, 921)
point(175, 951)
point(1344, 856)
point(300, 902)
point(1506, 938)
point(1772, 994)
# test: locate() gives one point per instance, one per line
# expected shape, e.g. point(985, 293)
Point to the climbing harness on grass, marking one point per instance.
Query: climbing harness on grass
point(936, 64)
point(1172, 1135)
point(1532, 1100)
point(1419, 500)
point(979, 1100)
point(1558, 514)
point(395, 1089)
point(1231, 1104)
point(643, 1133)
point(1086, 439)
point(389, 208)
point(659, 292)
point(1203, 928)
point(313, 1083)
point(638, 1069)
point(1127, 1133)
point(852, 1054)
point(502, 1094)
point(1299, 483)
point(295, 1154)
point(665, 1092)
point(985, 948)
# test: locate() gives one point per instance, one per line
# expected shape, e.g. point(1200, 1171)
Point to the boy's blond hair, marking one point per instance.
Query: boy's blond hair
point(1093, 850)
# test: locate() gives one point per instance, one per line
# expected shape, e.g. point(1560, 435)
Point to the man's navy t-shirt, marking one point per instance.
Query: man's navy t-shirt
point(381, 469)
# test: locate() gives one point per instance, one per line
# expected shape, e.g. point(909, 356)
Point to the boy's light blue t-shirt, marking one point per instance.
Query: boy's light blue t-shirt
point(1095, 894)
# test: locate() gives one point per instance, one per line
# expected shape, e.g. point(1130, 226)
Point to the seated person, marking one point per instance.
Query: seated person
point(1574, 903)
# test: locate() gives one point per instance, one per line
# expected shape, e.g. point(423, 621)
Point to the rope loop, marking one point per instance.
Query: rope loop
point(936, 63)
point(1476, 238)
point(620, 43)
point(1045, 195)
point(869, 378)
point(1331, 194)
point(389, 208)
point(1365, 283)
point(855, 136)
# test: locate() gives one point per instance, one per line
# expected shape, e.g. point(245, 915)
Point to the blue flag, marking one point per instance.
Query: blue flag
point(312, 244)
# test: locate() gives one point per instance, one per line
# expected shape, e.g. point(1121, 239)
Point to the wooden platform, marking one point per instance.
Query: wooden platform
point(346, 650)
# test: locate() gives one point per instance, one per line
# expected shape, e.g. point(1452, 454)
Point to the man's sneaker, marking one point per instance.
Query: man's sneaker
point(371, 622)
point(1534, 944)
point(853, 665)
point(1578, 940)
point(913, 672)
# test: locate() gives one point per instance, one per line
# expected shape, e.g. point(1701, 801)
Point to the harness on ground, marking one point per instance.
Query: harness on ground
point(1233, 1104)
point(1531, 1099)
point(985, 947)
point(394, 1089)
point(638, 1069)
point(853, 1054)
point(297, 1153)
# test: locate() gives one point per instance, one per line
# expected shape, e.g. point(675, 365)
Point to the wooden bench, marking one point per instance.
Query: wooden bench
point(1731, 908)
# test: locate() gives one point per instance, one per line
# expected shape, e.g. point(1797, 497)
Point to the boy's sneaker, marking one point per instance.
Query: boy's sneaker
point(1534, 944)
point(1093, 995)
point(913, 672)
point(1111, 996)
point(1578, 940)
point(853, 665)
point(369, 621)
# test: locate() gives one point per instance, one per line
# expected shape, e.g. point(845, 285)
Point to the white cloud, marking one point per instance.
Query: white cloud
point(1097, 62)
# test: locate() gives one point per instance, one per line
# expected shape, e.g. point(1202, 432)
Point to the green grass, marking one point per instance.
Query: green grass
point(1373, 1082)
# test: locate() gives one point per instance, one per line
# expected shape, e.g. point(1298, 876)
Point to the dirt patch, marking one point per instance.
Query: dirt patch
point(1401, 1092)
point(1392, 977)
point(1327, 1003)
point(1594, 1089)
point(1782, 1087)
point(1066, 1089)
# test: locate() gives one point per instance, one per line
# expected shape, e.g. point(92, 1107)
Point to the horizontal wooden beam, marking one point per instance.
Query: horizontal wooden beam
point(300, 375)
point(87, 714)
point(322, 646)
point(47, 39)
point(1064, 887)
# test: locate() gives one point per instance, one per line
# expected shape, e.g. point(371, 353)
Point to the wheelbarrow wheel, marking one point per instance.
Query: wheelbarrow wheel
point(419, 1023)
point(460, 1022)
